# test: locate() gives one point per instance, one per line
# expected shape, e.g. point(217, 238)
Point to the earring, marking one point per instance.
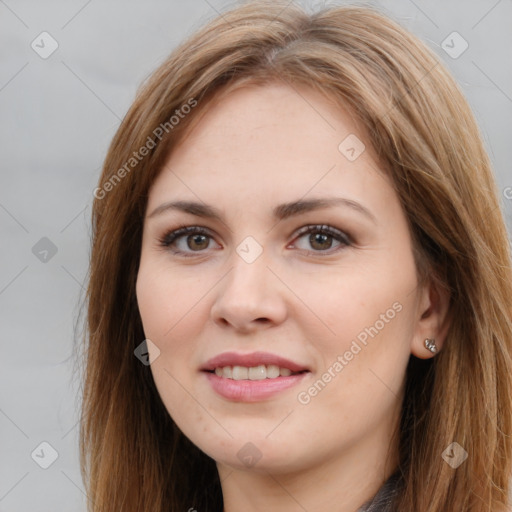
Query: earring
point(431, 345)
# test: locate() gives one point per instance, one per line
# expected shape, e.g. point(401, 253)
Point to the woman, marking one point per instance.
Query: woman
point(300, 280)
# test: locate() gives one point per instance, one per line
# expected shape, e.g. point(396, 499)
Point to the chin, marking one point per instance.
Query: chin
point(256, 454)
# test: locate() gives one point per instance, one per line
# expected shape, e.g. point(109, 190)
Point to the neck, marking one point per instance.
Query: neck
point(343, 482)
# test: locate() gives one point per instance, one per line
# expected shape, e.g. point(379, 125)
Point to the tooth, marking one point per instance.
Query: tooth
point(272, 371)
point(258, 372)
point(240, 372)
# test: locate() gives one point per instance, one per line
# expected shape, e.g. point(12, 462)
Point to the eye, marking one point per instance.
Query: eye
point(320, 238)
point(187, 239)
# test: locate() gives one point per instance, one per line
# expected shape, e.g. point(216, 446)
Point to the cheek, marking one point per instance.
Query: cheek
point(362, 300)
point(173, 313)
point(369, 310)
point(168, 321)
point(362, 367)
point(166, 306)
point(166, 301)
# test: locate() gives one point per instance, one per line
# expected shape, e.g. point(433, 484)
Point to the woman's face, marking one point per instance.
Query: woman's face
point(249, 291)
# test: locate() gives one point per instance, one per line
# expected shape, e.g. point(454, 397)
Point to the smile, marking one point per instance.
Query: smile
point(259, 372)
point(252, 377)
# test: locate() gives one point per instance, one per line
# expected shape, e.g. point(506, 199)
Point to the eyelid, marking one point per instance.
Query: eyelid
point(326, 228)
point(343, 237)
point(172, 235)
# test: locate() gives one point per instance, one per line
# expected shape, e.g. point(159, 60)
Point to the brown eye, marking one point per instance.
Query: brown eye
point(197, 242)
point(187, 240)
point(321, 238)
point(320, 241)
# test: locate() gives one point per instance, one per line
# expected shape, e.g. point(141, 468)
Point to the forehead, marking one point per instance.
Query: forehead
point(269, 141)
point(259, 112)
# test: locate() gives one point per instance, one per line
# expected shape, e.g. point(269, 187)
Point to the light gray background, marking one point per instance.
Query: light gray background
point(58, 116)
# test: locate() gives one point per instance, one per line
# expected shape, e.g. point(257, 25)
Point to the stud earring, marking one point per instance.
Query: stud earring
point(431, 345)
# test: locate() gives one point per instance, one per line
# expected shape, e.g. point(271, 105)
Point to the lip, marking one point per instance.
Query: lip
point(251, 390)
point(251, 359)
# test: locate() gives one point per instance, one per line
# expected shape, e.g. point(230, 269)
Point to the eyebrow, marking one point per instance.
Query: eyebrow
point(280, 212)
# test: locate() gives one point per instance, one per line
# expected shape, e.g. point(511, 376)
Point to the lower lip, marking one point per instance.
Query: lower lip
point(252, 390)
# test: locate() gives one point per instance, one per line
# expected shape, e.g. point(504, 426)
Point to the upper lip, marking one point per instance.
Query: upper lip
point(251, 359)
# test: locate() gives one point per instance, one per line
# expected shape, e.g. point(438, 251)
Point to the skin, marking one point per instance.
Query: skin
point(303, 299)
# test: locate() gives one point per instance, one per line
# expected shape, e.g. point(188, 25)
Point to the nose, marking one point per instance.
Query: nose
point(250, 296)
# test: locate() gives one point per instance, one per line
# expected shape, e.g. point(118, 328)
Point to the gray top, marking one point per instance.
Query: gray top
point(383, 500)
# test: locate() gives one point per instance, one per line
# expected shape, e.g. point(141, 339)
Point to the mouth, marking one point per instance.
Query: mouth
point(252, 377)
point(260, 372)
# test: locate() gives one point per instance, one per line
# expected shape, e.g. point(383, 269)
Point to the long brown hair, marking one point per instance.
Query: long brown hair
point(133, 457)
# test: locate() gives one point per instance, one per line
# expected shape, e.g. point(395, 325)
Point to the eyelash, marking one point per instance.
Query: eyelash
point(170, 237)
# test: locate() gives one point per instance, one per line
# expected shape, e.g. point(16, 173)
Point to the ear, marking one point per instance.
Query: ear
point(432, 319)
